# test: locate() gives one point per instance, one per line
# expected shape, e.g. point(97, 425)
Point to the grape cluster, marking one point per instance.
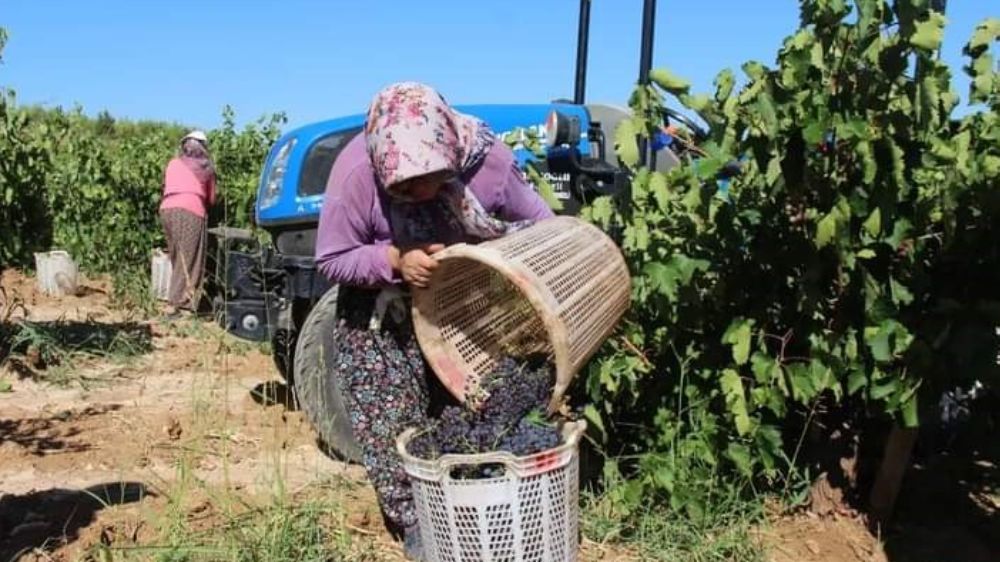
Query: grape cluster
point(511, 417)
point(515, 388)
point(529, 437)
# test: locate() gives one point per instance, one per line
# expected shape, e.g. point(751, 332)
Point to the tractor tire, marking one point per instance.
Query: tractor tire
point(316, 388)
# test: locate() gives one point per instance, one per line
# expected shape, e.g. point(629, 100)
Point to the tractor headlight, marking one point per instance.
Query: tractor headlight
point(561, 130)
point(270, 189)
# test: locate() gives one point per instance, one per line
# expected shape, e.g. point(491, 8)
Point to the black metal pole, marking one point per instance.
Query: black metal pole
point(646, 53)
point(582, 40)
point(646, 62)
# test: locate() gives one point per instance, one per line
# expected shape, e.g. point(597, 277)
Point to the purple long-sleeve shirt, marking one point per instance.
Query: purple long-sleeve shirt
point(354, 234)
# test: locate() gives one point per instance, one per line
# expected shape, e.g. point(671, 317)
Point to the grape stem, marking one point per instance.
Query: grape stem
point(638, 352)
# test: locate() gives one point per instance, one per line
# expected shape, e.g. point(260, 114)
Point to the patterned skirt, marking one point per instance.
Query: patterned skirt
point(186, 238)
point(384, 380)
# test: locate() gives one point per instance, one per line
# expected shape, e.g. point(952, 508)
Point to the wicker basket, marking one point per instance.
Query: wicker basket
point(557, 288)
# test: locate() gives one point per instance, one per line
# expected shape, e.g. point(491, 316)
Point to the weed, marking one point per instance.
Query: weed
point(724, 532)
point(222, 522)
point(226, 344)
point(276, 532)
point(11, 305)
point(232, 346)
point(132, 291)
point(52, 350)
point(192, 328)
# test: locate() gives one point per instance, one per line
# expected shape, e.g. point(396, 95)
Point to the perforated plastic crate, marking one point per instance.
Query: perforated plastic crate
point(558, 288)
point(530, 513)
point(57, 273)
point(161, 270)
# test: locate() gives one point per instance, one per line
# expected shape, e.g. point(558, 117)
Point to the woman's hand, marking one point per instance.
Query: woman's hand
point(415, 264)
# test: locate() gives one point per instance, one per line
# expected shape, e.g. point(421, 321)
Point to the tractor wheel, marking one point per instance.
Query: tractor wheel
point(316, 388)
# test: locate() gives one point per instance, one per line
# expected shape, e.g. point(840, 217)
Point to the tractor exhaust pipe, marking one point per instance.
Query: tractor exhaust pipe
point(582, 40)
point(645, 65)
point(646, 46)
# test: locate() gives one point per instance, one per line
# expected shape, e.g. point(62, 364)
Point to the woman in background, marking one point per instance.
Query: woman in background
point(188, 193)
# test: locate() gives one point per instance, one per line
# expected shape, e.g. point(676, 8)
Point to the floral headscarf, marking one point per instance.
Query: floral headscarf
point(411, 131)
point(195, 156)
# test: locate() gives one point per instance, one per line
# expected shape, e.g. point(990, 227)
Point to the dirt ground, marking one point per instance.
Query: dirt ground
point(96, 461)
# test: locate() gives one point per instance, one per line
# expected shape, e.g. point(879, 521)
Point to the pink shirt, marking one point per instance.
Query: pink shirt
point(183, 190)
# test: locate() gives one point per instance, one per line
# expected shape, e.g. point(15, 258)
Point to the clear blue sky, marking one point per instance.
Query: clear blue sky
point(182, 60)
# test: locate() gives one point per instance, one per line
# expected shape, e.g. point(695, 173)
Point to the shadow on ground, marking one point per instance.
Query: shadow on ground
point(87, 337)
point(274, 393)
point(29, 348)
point(58, 433)
point(949, 506)
point(48, 519)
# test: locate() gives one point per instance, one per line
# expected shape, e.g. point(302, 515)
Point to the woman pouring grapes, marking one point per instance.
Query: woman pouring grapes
point(419, 177)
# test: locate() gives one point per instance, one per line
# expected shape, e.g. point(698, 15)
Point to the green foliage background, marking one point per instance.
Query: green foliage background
point(92, 186)
point(852, 266)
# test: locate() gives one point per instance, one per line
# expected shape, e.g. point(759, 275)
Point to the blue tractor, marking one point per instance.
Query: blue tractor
point(275, 293)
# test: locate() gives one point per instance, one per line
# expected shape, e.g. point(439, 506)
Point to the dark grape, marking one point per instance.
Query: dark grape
point(529, 437)
point(424, 446)
point(515, 388)
point(510, 418)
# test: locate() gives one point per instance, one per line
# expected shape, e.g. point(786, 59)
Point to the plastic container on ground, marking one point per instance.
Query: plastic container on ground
point(56, 273)
point(530, 513)
point(161, 270)
point(558, 288)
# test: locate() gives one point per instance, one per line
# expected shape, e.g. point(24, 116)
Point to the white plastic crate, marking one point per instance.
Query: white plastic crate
point(530, 513)
point(161, 271)
point(56, 273)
